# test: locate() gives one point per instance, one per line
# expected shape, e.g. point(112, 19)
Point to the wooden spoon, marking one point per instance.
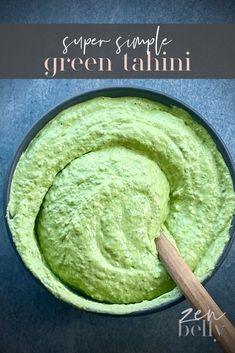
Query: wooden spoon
point(196, 293)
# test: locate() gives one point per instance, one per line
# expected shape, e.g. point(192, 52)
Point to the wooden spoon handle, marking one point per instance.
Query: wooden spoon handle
point(196, 294)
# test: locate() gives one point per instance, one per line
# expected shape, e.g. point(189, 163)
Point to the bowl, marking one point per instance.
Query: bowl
point(120, 92)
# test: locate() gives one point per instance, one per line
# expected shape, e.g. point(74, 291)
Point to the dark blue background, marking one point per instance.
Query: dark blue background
point(31, 319)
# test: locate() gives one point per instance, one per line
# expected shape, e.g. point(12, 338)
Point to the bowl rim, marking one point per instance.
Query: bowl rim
point(121, 91)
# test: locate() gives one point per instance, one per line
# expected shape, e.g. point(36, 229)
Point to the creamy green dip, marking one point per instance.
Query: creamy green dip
point(97, 184)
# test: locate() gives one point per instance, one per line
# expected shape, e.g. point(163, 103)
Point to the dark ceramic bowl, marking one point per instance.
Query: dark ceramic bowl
point(120, 92)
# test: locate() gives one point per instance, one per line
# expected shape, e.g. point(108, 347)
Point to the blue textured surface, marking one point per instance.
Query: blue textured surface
point(31, 319)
